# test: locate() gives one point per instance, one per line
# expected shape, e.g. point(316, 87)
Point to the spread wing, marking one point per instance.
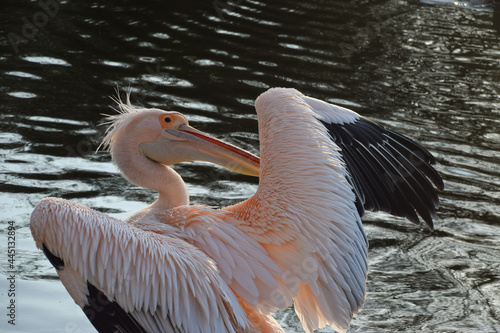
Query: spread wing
point(306, 211)
point(130, 280)
point(388, 171)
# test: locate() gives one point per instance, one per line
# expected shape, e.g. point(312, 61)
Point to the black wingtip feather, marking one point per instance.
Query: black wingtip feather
point(390, 172)
point(107, 316)
point(57, 262)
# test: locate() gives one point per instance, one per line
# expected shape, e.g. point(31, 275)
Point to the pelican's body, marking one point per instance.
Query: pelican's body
point(172, 267)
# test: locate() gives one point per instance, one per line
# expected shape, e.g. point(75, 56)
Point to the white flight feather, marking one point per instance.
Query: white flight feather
point(140, 296)
point(304, 210)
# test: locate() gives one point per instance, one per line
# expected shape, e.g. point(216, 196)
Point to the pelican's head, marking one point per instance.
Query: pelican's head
point(166, 137)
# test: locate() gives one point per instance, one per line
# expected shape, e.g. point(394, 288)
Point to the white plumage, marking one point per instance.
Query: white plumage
point(172, 267)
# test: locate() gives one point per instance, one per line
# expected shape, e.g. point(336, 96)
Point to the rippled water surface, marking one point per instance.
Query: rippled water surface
point(429, 69)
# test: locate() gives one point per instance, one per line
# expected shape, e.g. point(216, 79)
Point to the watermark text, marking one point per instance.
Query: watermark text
point(11, 273)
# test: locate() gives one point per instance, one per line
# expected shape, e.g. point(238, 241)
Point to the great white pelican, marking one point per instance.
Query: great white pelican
point(175, 267)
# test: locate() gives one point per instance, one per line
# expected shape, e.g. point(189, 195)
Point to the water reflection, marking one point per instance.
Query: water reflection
point(432, 72)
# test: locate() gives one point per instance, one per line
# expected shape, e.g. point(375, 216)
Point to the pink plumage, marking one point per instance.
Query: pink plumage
point(172, 267)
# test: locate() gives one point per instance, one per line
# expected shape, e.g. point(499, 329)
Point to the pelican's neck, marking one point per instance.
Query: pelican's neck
point(143, 172)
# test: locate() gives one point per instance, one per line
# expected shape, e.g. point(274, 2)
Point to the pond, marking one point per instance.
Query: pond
point(430, 70)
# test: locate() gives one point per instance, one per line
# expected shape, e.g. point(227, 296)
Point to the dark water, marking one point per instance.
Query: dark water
point(430, 70)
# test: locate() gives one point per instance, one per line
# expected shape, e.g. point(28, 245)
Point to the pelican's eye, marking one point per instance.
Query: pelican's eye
point(167, 121)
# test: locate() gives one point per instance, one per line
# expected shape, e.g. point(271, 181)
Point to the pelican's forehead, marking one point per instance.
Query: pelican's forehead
point(145, 113)
point(170, 113)
point(155, 113)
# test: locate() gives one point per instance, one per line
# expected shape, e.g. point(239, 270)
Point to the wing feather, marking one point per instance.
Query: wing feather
point(158, 282)
point(304, 212)
point(321, 166)
point(244, 264)
point(389, 172)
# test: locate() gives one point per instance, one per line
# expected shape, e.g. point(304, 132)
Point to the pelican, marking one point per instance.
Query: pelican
point(175, 267)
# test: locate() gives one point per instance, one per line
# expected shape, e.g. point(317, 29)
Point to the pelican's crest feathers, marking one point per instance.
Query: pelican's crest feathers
point(117, 122)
